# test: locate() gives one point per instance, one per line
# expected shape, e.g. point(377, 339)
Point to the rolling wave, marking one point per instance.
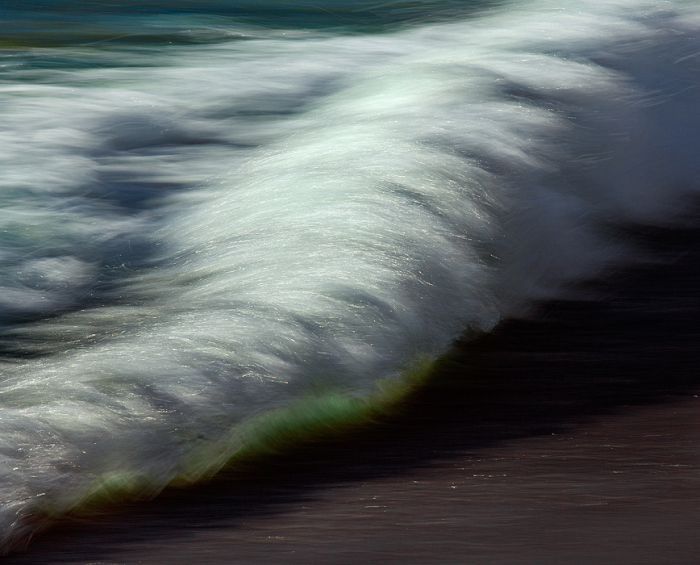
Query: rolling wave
point(193, 239)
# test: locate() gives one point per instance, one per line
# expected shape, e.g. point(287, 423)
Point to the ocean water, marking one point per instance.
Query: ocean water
point(228, 221)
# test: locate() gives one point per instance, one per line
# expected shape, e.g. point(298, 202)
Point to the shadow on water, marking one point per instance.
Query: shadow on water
point(577, 360)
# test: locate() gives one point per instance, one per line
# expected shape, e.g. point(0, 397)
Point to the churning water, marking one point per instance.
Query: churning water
point(215, 213)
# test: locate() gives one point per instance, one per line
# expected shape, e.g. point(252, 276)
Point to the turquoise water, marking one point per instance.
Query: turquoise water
point(224, 225)
point(158, 23)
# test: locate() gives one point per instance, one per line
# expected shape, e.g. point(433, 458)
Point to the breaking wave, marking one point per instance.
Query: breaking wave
point(273, 229)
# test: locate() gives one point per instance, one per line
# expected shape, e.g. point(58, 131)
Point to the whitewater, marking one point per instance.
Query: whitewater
point(198, 237)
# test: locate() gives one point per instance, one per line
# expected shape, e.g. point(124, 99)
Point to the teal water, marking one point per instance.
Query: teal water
point(160, 23)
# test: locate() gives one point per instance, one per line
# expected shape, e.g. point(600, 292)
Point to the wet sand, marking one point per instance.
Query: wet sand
point(571, 438)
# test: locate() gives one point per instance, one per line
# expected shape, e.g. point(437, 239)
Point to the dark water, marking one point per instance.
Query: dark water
point(166, 22)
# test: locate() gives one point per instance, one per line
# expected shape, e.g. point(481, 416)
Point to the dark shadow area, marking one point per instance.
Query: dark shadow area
point(636, 344)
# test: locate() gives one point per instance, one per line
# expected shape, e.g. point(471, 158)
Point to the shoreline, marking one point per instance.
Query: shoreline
point(569, 436)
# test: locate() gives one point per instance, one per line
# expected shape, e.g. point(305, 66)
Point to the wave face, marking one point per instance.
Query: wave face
point(198, 232)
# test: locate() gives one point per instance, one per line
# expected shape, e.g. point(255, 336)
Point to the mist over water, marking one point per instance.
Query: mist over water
point(214, 210)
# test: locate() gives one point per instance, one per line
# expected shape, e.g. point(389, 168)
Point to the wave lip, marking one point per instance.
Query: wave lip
point(200, 252)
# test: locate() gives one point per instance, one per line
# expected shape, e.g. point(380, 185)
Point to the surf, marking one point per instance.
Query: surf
point(281, 227)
